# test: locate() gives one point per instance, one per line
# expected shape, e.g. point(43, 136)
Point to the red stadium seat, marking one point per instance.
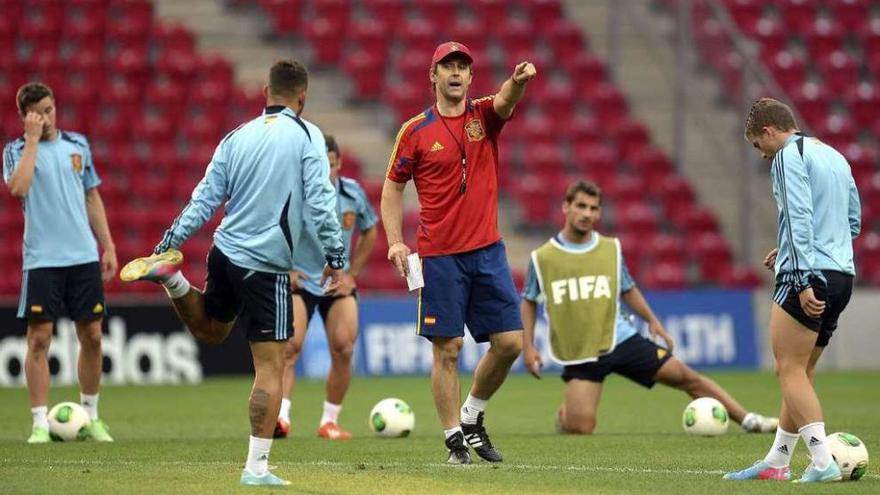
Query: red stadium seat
point(863, 102)
point(585, 130)
point(544, 13)
point(630, 134)
point(771, 34)
point(129, 26)
point(323, 34)
point(788, 69)
point(565, 39)
point(361, 65)
point(436, 9)
point(665, 248)
point(595, 160)
point(284, 15)
point(651, 163)
point(371, 35)
point(738, 277)
point(420, 35)
point(812, 101)
point(390, 11)
point(799, 15)
point(165, 93)
point(851, 14)
point(626, 188)
point(516, 35)
point(636, 217)
point(840, 71)
point(471, 33)
point(664, 276)
point(694, 221)
point(824, 37)
point(745, 11)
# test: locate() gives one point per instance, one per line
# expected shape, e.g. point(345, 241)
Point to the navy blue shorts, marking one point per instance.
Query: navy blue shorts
point(474, 289)
point(323, 303)
point(636, 358)
point(259, 302)
point(835, 290)
point(50, 293)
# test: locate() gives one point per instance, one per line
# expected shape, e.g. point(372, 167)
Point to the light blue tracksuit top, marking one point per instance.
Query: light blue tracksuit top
point(273, 179)
point(819, 211)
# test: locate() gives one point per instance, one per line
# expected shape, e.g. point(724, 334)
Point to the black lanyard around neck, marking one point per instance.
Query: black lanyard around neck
point(460, 143)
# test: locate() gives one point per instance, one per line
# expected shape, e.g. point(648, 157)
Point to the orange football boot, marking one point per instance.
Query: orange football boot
point(282, 429)
point(332, 431)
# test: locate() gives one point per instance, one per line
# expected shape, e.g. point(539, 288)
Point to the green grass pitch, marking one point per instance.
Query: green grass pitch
point(193, 439)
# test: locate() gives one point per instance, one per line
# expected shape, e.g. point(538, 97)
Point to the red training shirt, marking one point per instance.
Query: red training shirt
point(429, 153)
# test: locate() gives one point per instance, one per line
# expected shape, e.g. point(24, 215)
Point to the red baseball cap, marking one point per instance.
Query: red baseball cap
point(446, 49)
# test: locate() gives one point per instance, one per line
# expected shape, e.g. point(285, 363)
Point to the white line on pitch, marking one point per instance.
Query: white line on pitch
point(356, 464)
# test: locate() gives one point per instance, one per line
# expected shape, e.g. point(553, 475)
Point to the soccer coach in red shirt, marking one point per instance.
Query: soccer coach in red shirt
point(450, 152)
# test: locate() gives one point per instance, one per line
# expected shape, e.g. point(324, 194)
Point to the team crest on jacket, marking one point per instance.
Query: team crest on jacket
point(76, 162)
point(474, 130)
point(348, 220)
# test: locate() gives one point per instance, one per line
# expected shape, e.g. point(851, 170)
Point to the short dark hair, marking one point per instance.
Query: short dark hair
point(332, 145)
point(288, 78)
point(31, 93)
point(583, 186)
point(767, 112)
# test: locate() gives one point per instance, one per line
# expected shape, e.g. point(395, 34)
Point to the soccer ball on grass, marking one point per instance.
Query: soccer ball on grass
point(705, 417)
point(68, 422)
point(850, 454)
point(392, 418)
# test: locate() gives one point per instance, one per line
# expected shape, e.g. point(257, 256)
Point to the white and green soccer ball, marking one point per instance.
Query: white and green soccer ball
point(705, 417)
point(68, 422)
point(850, 454)
point(392, 418)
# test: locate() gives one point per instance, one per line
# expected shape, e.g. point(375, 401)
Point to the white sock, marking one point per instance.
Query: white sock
point(258, 455)
point(814, 436)
point(284, 412)
point(90, 404)
point(471, 409)
point(41, 416)
point(331, 413)
point(782, 449)
point(452, 431)
point(176, 285)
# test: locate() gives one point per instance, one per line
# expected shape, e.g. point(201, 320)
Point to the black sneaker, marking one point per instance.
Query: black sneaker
point(458, 451)
point(478, 439)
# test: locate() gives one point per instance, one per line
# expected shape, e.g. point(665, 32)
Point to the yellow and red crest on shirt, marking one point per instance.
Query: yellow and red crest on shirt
point(76, 162)
point(348, 220)
point(475, 130)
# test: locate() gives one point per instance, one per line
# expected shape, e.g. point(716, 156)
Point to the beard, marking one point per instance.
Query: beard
point(580, 231)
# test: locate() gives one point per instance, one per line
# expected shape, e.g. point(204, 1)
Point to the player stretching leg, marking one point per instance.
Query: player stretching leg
point(585, 326)
point(62, 274)
point(819, 215)
point(450, 152)
point(269, 173)
point(338, 309)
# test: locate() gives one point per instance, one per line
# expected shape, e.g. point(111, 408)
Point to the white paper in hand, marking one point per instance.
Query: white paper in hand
point(414, 280)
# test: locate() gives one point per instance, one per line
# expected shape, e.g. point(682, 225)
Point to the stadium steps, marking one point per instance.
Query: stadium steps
point(238, 34)
point(647, 53)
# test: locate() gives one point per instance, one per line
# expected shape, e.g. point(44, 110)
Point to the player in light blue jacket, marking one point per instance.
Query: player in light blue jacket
point(273, 181)
point(819, 215)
